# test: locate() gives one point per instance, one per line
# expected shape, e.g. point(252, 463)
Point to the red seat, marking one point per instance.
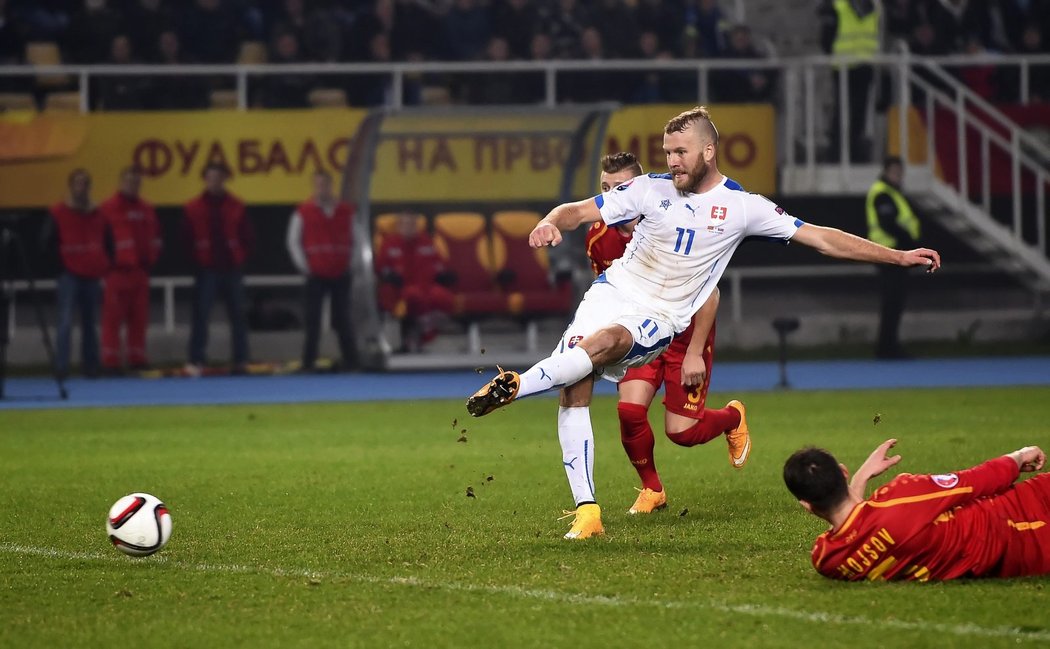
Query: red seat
point(524, 272)
point(464, 245)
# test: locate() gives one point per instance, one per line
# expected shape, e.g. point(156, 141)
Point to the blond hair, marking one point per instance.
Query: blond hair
point(697, 115)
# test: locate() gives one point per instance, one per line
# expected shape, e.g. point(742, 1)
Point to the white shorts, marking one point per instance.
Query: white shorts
point(604, 305)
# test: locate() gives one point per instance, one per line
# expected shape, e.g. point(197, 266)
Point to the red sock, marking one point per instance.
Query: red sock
point(713, 424)
point(638, 441)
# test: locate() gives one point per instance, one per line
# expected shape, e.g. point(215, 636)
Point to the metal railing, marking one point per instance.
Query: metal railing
point(398, 72)
point(732, 282)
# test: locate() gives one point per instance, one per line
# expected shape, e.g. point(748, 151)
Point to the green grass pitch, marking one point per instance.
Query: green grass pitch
point(348, 525)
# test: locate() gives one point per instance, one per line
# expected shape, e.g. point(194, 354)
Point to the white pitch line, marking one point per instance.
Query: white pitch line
point(756, 610)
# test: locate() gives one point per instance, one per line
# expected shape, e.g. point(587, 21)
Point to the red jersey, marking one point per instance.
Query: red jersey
point(931, 527)
point(605, 245)
point(135, 229)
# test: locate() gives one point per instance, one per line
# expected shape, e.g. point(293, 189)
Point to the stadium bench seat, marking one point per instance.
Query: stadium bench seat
point(16, 101)
point(252, 53)
point(62, 102)
point(224, 99)
point(524, 272)
point(462, 241)
point(46, 53)
point(327, 98)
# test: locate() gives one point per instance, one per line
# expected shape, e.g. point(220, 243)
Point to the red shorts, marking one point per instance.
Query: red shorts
point(667, 370)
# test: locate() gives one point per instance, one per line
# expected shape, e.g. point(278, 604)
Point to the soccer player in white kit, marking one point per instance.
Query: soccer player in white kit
point(694, 219)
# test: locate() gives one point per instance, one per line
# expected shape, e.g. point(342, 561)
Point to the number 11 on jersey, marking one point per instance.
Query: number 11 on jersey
point(688, 243)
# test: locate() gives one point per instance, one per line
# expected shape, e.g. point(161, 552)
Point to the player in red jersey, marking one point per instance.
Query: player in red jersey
point(973, 523)
point(684, 370)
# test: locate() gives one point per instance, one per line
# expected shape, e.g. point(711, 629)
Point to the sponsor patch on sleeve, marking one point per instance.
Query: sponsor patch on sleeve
point(946, 481)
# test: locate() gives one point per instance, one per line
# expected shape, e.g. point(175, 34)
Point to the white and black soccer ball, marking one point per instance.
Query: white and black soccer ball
point(139, 524)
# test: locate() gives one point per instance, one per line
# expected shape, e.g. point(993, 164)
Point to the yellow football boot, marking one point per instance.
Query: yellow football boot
point(739, 439)
point(588, 522)
point(495, 394)
point(648, 501)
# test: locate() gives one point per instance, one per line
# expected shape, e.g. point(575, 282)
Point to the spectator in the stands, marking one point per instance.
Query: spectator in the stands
point(1017, 16)
point(466, 29)
point(317, 31)
point(649, 86)
point(982, 77)
point(515, 21)
point(210, 32)
point(91, 33)
point(408, 27)
point(532, 87)
point(220, 237)
point(12, 49)
point(710, 25)
point(618, 26)
point(595, 86)
point(147, 20)
point(1038, 75)
point(495, 88)
point(122, 92)
point(176, 92)
point(285, 90)
point(657, 16)
point(413, 282)
point(564, 21)
point(373, 89)
point(739, 85)
point(40, 20)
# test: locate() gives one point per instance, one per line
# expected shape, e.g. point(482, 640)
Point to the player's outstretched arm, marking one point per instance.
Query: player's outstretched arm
point(843, 245)
point(1029, 459)
point(877, 463)
point(565, 217)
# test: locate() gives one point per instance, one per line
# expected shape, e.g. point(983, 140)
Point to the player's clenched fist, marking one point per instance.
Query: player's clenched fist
point(544, 234)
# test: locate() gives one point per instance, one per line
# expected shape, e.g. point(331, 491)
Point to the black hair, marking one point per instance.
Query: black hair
point(813, 474)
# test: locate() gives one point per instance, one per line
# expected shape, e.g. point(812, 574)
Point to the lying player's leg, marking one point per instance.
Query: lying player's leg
point(576, 438)
point(636, 434)
point(1023, 519)
point(688, 422)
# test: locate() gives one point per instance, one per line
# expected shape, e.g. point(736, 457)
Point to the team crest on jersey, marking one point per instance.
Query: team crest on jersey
point(719, 213)
point(623, 186)
point(946, 481)
point(575, 340)
point(778, 209)
point(665, 203)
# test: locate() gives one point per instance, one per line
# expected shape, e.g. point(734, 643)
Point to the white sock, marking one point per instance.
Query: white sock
point(577, 451)
point(556, 371)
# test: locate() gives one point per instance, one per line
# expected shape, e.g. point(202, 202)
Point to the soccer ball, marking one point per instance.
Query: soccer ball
point(139, 524)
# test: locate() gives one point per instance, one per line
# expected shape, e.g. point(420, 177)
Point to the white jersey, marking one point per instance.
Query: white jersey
point(684, 242)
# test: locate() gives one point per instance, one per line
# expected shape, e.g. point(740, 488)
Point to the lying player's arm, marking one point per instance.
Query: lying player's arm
point(565, 217)
point(1029, 459)
point(876, 464)
point(843, 245)
point(693, 367)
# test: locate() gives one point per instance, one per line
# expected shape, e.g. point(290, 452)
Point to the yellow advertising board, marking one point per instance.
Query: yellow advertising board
point(746, 143)
point(421, 158)
point(271, 153)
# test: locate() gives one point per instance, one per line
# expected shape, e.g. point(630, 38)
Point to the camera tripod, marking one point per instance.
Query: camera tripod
point(14, 264)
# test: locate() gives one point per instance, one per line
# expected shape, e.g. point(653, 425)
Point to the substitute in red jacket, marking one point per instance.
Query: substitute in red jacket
point(319, 241)
point(135, 232)
point(412, 281)
point(80, 230)
point(220, 236)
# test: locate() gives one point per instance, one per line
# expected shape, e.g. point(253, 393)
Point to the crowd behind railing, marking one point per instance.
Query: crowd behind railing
point(127, 32)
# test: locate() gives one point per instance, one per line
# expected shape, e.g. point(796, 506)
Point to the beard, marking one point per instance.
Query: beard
point(692, 178)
